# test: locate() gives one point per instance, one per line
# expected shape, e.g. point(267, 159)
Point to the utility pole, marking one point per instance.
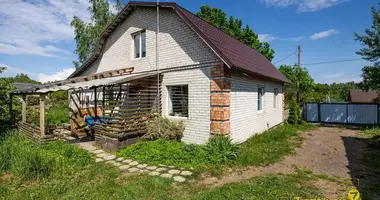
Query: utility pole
point(299, 71)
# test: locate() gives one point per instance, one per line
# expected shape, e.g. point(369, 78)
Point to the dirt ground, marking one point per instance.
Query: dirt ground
point(324, 151)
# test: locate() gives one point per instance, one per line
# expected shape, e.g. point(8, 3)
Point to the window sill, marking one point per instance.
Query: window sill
point(177, 118)
point(138, 58)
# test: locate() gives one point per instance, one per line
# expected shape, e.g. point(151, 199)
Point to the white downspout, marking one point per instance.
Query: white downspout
point(157, 65)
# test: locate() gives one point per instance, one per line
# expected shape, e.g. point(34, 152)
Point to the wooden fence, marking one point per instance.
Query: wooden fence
point(128, 108)
point(33, 134)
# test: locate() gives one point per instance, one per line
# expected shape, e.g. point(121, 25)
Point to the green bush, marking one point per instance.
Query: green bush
point(58, 114)
point(26, 160)
point(218, 150)
point(169, 130)
point(221, 149)
point(294, 112)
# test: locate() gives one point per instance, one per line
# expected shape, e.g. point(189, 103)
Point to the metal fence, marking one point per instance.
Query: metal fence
point(342, 113)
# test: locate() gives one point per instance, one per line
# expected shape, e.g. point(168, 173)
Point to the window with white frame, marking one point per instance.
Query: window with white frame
point(139, 44)
point(178, 100)
point(275, 94)
point(260, 98)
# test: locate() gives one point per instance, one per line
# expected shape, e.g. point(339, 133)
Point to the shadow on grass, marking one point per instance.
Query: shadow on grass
point(364, 165)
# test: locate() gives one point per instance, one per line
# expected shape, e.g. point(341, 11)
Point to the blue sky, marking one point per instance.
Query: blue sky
point(35, 36)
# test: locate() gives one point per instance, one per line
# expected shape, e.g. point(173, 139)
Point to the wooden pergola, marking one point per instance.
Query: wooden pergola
point(128, 101)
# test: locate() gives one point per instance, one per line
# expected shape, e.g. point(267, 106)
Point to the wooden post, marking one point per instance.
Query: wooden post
point(42, 114)
point(96, 106)
point(23, 105)
point(11, 110)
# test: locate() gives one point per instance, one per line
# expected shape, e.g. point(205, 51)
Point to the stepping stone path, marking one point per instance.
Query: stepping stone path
point(132, 166)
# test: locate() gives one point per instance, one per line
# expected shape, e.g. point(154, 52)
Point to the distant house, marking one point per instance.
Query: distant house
point(361, 96)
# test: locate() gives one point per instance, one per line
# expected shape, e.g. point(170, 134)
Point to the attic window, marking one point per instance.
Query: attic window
point(140, 44)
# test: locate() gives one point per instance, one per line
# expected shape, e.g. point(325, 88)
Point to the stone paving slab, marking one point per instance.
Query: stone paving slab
point(124, 167)
point(127, 161)
point(154, 173)
point(133, 169)
point(151, 168)
point(134, 163)
point(144, 171)
point(141, 166)
point(132, 166)
point(174, 171)
point(98, 151)
point(161, 169)
point(179, 179)
point(186, 173)
point(110, 157)
point(166, 175)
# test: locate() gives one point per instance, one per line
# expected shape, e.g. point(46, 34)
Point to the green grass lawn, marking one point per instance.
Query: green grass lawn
point(262, 149)
point(61, 171)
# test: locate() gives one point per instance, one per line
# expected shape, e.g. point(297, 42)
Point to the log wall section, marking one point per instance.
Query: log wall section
point(128, 108)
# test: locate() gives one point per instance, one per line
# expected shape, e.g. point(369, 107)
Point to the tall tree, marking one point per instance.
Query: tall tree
point(371, 52)
point(302, 81)
point(234, 27)
point(87, 33)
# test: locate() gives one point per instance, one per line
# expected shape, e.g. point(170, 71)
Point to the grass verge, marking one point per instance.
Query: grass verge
point(262, 149)
point(90, 180)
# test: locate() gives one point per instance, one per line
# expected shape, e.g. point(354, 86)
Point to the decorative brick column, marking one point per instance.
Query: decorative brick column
point(220, 100)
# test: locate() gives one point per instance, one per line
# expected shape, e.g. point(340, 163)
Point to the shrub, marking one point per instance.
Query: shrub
point(58, 114)
point(294, 112)
point(26, 160)
point(221, 149)
point(169, 130)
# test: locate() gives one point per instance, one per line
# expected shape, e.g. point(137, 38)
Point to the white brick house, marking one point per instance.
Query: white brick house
point(220, 77)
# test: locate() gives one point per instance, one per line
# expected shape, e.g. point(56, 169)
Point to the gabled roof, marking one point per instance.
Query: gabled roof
point(361, 96)
point(232, 51)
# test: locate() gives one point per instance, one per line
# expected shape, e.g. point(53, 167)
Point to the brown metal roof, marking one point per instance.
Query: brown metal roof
point(233, 52)
point(360, 96)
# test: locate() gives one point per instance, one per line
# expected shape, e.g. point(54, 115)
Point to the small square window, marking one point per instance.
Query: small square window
point(179, 100)
point(275, 94)
point(140, 44)
point(260, 99)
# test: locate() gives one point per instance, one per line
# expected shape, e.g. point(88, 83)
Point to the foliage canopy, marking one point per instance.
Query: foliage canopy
point(371, 52)
point(234, 27)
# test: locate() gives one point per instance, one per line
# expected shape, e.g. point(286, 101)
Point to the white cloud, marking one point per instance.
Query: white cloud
point(337, 75)
point(323, 34)
point(60, 75)
point(295, 39)
point(303, 5)
point(266, 37)
point(26, 47)
point(35, 27)
point(44, 78)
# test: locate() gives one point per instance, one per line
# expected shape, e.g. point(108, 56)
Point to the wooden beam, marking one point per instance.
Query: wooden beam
point(42, 114)
point(23, 105)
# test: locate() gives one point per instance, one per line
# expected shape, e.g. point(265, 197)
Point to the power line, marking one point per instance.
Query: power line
point(285, 58)
point(335, 61)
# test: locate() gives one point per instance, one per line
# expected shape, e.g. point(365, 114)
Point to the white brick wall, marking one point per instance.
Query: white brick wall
point(178, 44)
point(246, 121)
point(198, 122)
